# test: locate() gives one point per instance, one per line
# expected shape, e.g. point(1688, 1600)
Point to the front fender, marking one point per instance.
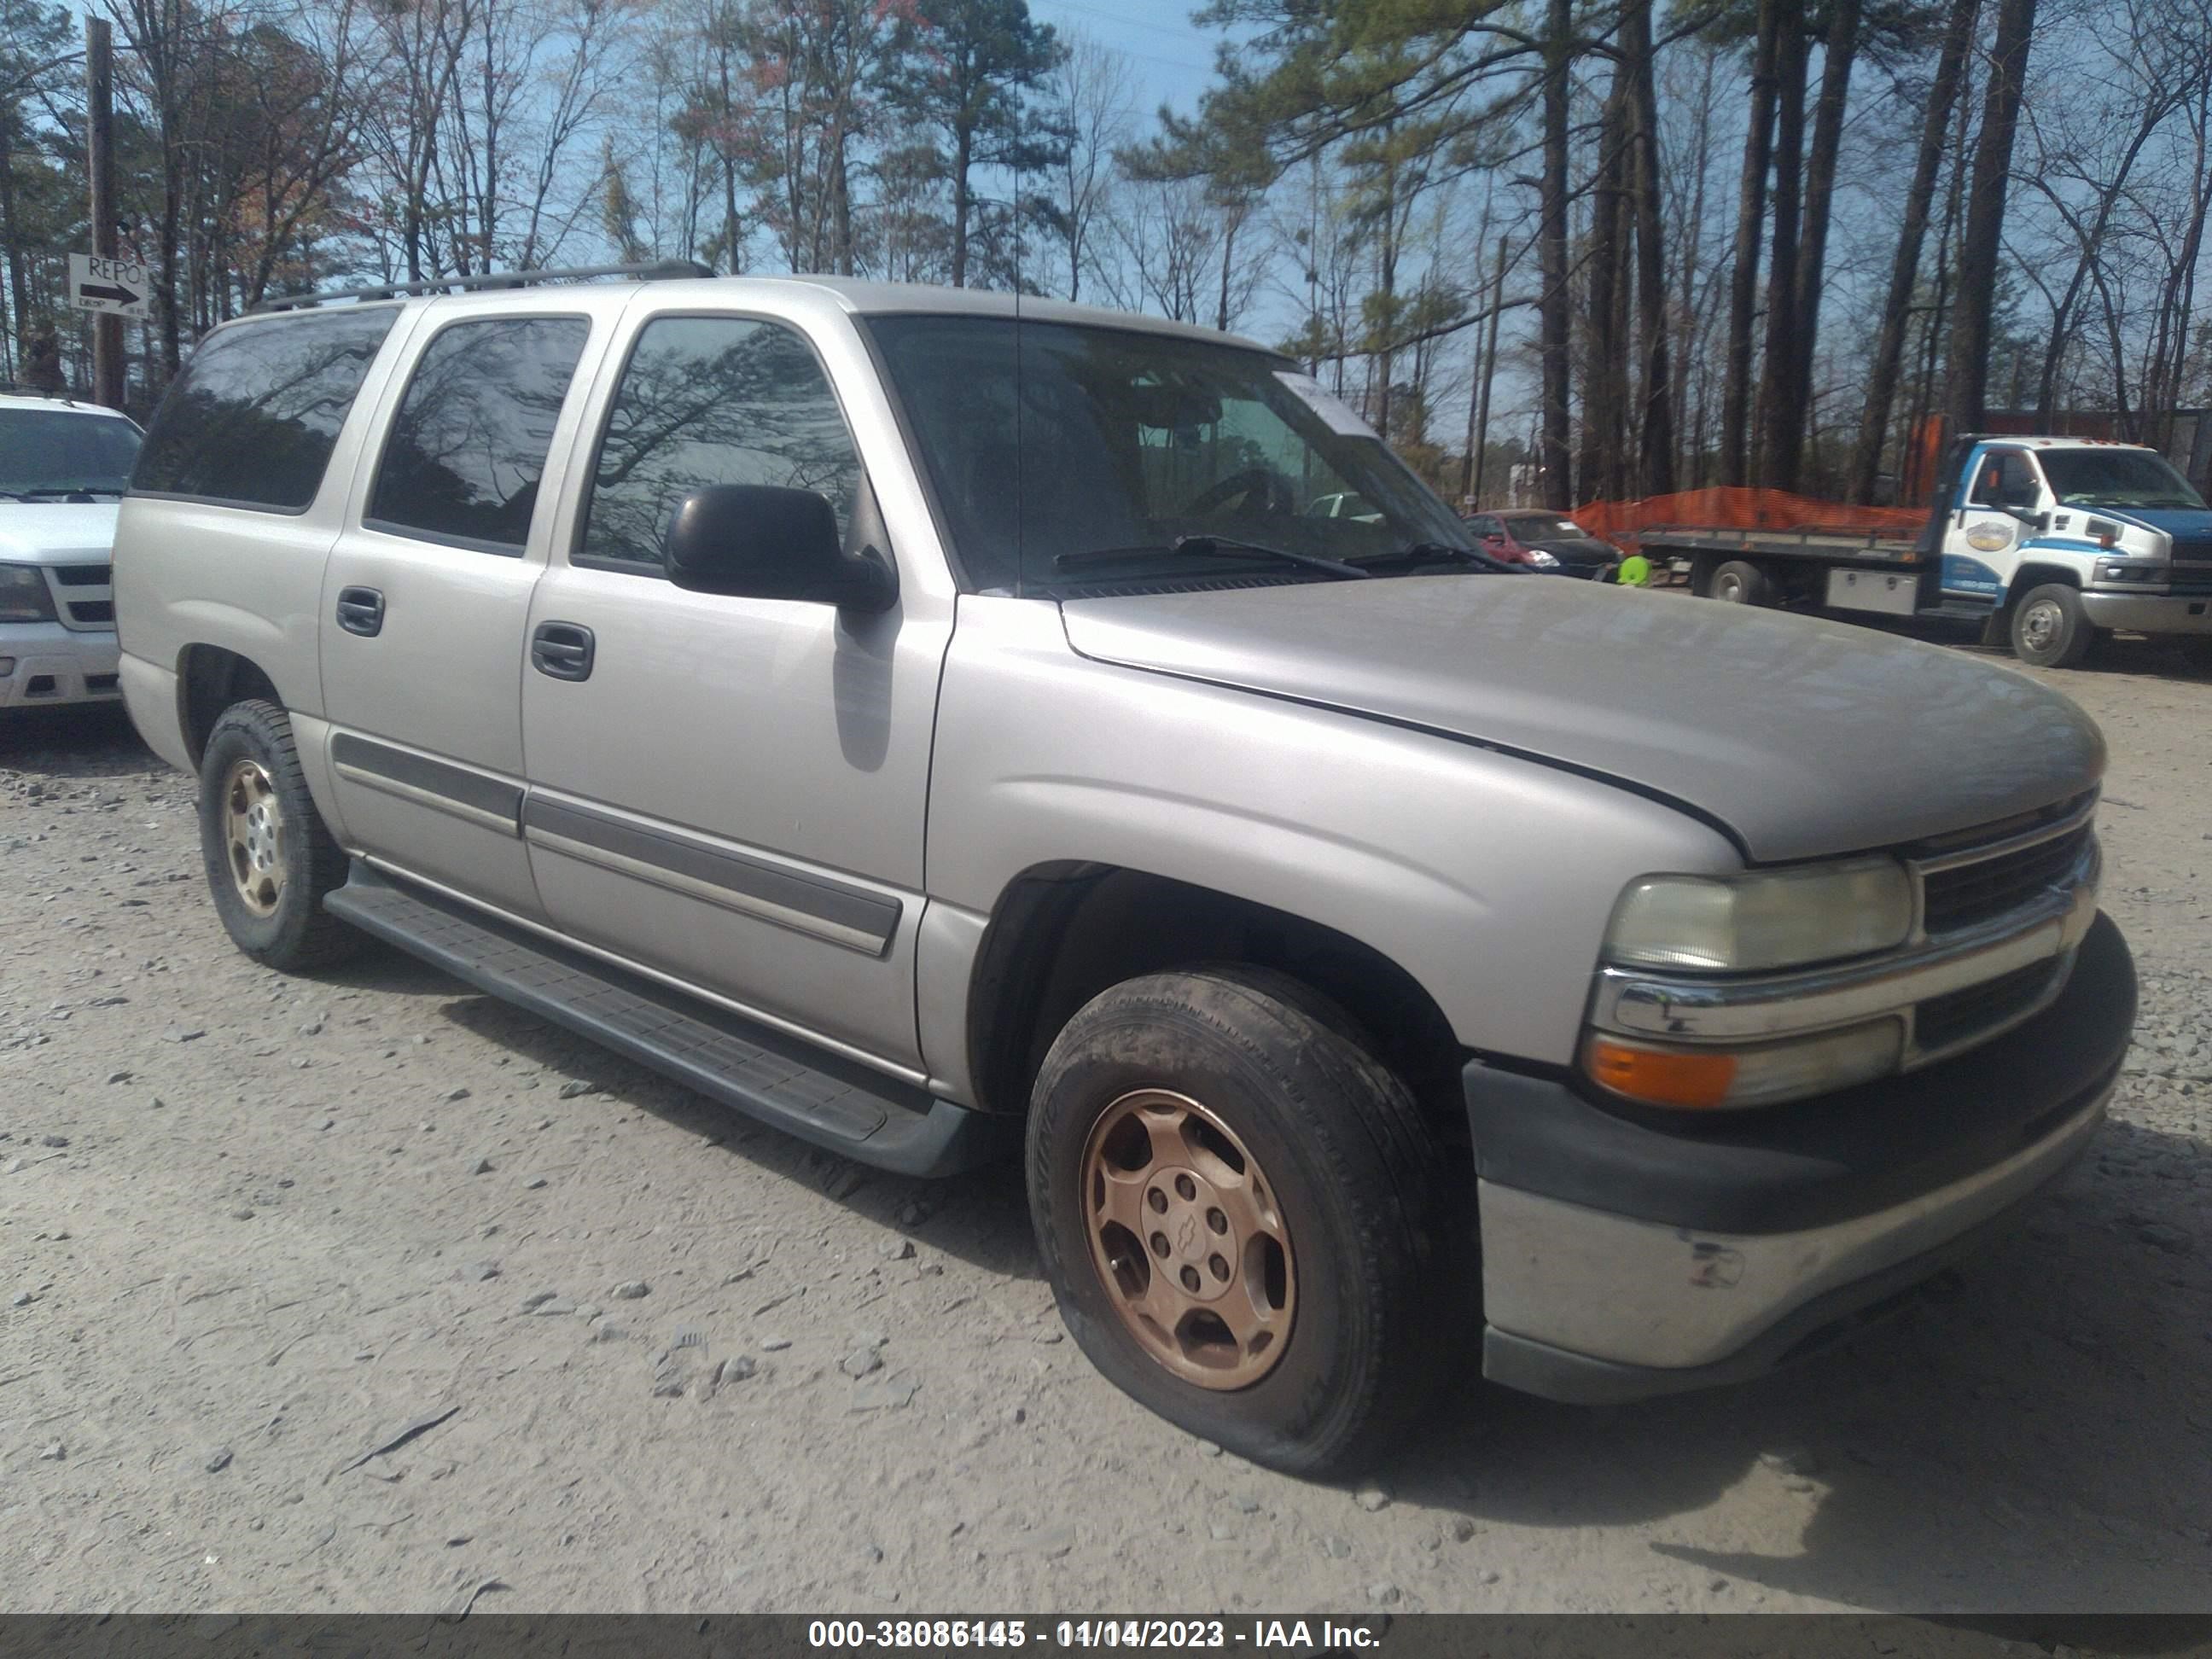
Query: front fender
point(1488, 879)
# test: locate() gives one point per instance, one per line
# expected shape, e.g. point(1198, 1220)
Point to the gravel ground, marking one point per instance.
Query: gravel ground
point(365, 1291)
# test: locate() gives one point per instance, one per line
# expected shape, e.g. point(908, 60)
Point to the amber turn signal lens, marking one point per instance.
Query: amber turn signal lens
point(1661, 1077)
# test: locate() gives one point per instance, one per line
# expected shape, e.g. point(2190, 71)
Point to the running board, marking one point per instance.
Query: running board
point(777, 1079)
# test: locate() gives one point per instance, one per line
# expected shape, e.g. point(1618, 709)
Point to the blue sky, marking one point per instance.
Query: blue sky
point(1171, 60)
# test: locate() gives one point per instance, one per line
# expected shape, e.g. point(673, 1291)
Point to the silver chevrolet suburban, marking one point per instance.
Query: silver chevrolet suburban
point(926, 722)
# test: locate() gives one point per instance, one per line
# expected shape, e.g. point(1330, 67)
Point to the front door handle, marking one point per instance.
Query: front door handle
point(562, 650)
point(361, 610)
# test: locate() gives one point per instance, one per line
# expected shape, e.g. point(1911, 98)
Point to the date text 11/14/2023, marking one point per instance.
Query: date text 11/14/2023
point(939, 1635)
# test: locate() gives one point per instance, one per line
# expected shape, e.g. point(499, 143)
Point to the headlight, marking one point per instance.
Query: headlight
point(1542, 560)
point(1764, 919)
point(23, 595)
point(1730, 1079)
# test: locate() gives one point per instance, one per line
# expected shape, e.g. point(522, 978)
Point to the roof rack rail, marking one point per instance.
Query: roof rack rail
point(495, 279)
point(17, 389)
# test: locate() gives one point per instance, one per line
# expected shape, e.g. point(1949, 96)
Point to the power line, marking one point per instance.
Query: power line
point(1183, 64)
point(1125, 21)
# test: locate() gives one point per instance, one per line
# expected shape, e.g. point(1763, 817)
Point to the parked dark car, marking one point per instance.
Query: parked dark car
point(1546, 542)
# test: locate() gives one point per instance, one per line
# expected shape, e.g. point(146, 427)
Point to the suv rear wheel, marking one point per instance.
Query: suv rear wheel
point(269, 857)
point(1236, 1208)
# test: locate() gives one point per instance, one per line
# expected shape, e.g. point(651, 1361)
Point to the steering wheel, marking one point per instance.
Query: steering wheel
point(1261, 486)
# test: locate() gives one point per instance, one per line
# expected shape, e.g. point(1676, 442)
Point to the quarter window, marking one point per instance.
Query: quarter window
point(712, 400)
point(469, 445)
point(253, 417)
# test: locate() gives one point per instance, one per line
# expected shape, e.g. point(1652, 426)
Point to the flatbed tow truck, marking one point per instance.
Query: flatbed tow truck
point(2048, 543)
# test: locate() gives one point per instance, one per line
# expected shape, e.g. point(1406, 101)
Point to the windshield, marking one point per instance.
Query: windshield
point(1048, 442)
point(1546, 528)
point(59, 452)
point(2115, 477)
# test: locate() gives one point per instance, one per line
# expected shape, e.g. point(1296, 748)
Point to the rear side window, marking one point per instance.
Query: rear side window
point(251, 419)
point(469, 444)
point(712, 400)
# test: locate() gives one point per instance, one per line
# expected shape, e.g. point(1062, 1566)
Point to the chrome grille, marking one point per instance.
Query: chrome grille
point(1975, 877)
point(82, 598)
point(1963, 895)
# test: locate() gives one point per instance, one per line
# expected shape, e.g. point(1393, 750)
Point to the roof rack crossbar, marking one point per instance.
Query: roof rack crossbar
point(492, 279)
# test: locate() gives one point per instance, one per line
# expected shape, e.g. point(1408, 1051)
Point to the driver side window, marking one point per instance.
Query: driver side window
point(2005, 479)
point(711, 400)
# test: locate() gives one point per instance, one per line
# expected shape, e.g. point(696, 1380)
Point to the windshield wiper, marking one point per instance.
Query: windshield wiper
point(69, 489)
point(1227, 546)
point(1416, 552)
point(1235, 549)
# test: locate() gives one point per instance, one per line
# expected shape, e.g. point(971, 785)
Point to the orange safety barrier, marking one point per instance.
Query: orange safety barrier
point(1736, 509)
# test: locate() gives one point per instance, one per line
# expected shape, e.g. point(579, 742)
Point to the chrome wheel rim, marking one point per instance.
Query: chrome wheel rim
point(1729, 588)
point(1189, 1239)
point(253, 836)
point(2039, 625)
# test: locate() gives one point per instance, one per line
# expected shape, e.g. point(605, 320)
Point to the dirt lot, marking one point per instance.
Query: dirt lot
point(254, 1229)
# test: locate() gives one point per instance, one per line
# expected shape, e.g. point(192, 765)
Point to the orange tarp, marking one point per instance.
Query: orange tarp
point(1741, 509)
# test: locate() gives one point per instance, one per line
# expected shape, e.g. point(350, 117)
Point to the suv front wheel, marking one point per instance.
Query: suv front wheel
point(269, 857)
point(1236, 1208)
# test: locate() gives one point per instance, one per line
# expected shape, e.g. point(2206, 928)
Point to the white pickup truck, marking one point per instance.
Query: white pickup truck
point(62, 469)
point(2050, 543)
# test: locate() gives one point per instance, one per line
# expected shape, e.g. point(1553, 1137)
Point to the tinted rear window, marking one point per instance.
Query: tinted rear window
point(251, 419)
point(470, 441)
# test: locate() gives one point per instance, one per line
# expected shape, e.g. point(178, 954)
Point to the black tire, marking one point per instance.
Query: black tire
point(1356, 1177)
point(1739, 581)
point(294, 932)
point(2049, 627)
point(2196, 651)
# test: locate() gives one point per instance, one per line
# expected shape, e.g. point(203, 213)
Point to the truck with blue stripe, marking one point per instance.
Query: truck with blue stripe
point(2050, 543)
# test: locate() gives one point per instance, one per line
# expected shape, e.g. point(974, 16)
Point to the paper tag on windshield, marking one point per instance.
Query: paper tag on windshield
point(1337, 414)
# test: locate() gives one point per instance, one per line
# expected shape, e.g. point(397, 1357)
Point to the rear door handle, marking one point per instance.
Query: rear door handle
point(562, 650)
point(361, 610)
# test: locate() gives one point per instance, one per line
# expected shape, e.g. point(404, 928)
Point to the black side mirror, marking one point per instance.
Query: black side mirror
point(2034, 521)
point(764, 542)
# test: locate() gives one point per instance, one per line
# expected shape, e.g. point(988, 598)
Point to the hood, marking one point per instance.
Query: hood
point(56, 532)
point(1804, 737)
point(1582, 549)
point(2189, 526)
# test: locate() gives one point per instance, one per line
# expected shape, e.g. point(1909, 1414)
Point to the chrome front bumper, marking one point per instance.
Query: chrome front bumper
point(1628, 1252)
point(1659, 1309)
point(2149, 613)
point(43, 663)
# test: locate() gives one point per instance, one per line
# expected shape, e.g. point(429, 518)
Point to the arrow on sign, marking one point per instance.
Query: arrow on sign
point(119, 294)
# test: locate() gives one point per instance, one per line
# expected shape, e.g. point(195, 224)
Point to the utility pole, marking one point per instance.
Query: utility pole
point(1479, 445)
point(99, 145)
